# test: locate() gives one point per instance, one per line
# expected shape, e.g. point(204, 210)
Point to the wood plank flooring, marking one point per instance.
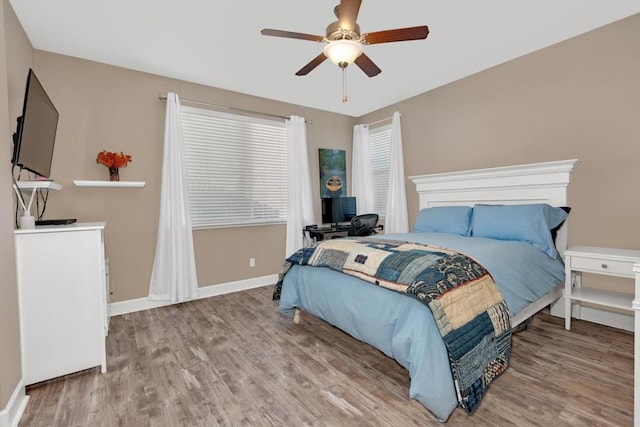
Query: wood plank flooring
point(233, 360)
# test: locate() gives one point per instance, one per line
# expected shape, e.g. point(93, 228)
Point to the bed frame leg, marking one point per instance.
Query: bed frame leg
point(296, 316)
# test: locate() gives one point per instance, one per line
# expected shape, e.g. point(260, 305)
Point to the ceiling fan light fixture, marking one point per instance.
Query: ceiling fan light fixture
point(343, 52)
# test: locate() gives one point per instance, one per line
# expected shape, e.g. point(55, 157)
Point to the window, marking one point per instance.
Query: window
point(236, 168)
point(380, 140)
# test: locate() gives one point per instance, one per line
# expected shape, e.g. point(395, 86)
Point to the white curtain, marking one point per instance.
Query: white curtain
point(397, 220)
point(174, 268)
point(361, 171)
point(300, 204)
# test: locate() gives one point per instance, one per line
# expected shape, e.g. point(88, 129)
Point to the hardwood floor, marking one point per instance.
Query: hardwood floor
point(233, 360)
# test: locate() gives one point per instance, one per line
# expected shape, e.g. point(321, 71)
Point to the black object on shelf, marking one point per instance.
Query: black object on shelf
point(59, 221)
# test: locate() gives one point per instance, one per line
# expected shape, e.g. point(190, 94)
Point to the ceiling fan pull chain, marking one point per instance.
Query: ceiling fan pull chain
point(344, 85)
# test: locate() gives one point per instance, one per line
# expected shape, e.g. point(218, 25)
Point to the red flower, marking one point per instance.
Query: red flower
point(113, 160)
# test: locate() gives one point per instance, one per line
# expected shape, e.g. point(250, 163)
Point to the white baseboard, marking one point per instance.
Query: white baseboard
point(11, 414)
point(596, 315)
point(608, 318)
point(139, 304)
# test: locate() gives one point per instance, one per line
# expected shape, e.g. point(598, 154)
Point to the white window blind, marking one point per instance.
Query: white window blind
point(236, 168)
point(380, 141)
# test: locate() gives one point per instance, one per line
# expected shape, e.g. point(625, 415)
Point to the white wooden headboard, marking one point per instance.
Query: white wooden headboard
point(531, 183)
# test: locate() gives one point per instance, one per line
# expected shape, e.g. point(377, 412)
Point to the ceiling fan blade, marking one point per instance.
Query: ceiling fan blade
point(291, 35)
point(348, 13)
point(397, 35)
point(367, 65)
point(311, 65)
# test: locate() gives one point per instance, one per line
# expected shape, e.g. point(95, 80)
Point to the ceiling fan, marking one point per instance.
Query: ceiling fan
point(344, 41)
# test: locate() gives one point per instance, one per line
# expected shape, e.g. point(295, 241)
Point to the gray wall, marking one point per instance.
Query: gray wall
point(15, 53)
point(577, 99)
point(106, 107)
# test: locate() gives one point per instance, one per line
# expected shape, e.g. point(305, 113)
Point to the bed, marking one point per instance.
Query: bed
point(401, 327)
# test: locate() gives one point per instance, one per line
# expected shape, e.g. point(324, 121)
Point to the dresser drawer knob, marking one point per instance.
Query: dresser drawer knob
point(604, 266)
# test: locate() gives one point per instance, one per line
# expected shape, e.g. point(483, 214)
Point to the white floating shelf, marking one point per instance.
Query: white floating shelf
point(80, 183)
point(39, 184)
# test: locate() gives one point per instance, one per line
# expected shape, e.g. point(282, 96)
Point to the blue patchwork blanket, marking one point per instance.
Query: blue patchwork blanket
point(468, 308)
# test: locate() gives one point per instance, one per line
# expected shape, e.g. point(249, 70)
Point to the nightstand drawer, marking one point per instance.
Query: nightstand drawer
point(602, 266)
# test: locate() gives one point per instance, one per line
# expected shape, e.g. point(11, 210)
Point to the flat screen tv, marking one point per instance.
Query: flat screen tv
point(36, 131)
point(338, 209)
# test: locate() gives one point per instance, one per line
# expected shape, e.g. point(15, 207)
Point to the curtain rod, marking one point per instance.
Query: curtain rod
point(226, 107)
point(380, 121)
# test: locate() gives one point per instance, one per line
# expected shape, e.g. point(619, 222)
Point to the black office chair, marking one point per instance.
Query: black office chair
point(363, 225)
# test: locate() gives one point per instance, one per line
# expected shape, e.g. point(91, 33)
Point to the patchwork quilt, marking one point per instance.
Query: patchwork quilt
point(468, 308)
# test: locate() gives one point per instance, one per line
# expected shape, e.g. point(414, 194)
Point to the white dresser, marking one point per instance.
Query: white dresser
point(63, 295)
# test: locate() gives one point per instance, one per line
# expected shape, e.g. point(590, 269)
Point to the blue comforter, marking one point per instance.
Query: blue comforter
point(402, 327)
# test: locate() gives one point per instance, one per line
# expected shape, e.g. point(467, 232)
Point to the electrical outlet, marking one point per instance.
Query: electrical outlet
point(252, 262)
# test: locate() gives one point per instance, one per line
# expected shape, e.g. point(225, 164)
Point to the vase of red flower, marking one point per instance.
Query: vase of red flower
point(114, 174)
point(114, 161)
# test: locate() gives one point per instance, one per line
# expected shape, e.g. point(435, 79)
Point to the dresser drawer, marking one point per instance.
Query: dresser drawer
point(602, 266)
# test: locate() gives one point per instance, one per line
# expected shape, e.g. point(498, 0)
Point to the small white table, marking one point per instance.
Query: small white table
point(607, 261)
point(610, 262)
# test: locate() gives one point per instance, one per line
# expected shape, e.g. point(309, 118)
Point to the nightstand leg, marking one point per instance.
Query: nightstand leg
point(567, 313)
point(577, 284)
point(568, 287)
point(636, 351)
point(573, 281)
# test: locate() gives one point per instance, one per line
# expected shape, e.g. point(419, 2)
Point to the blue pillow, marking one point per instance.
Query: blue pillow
point(526, 223)
point(445, 219)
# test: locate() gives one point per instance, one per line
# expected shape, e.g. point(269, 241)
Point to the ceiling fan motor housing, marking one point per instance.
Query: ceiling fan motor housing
point(334, 32)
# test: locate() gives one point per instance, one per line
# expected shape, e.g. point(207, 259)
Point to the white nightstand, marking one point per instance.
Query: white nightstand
point(610, 262)
point(607, 261)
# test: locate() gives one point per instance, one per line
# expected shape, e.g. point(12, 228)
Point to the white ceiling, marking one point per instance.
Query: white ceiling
point(218, 42)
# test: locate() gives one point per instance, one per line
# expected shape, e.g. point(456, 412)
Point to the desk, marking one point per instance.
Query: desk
point(326, 233)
